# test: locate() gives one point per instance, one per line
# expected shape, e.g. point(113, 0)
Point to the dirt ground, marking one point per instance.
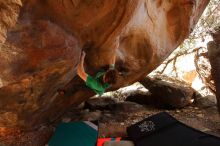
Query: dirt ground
point(206, 120)
point(113, 121)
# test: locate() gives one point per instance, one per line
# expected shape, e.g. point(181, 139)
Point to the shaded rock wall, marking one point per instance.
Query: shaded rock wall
point(167, 94)
point(214, 58)
point(41, 41)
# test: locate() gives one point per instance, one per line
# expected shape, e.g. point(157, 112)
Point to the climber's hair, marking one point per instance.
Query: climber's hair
point(110, 76)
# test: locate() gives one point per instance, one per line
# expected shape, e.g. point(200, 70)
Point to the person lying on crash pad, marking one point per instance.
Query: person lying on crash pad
point(102, 81)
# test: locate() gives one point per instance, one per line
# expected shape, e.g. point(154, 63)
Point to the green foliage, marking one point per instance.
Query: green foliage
point(195, 45)
point(208, 21)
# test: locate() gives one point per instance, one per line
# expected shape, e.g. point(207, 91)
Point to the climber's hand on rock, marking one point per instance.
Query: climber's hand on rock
point(83, 54)
point(82, 57)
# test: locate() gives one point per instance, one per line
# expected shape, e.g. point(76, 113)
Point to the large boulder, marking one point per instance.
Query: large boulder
point(41, 41)
point(167, 94)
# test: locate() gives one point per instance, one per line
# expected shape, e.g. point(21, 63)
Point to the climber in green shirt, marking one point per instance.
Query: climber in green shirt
point(102, 81)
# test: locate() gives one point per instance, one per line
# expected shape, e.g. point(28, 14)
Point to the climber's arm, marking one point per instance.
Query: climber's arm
point(80, 68)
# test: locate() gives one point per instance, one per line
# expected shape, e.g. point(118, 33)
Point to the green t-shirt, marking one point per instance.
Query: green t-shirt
point(95, 83)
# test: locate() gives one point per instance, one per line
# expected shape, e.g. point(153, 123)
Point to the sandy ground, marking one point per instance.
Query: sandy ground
point(206, 120)
point(113, 122)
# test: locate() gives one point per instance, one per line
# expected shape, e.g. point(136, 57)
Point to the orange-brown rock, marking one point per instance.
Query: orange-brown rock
point(41, 41)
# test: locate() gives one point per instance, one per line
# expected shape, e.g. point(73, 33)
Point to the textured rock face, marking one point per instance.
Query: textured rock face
point(214, 58)
point(168, 94)
point(41, 41)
